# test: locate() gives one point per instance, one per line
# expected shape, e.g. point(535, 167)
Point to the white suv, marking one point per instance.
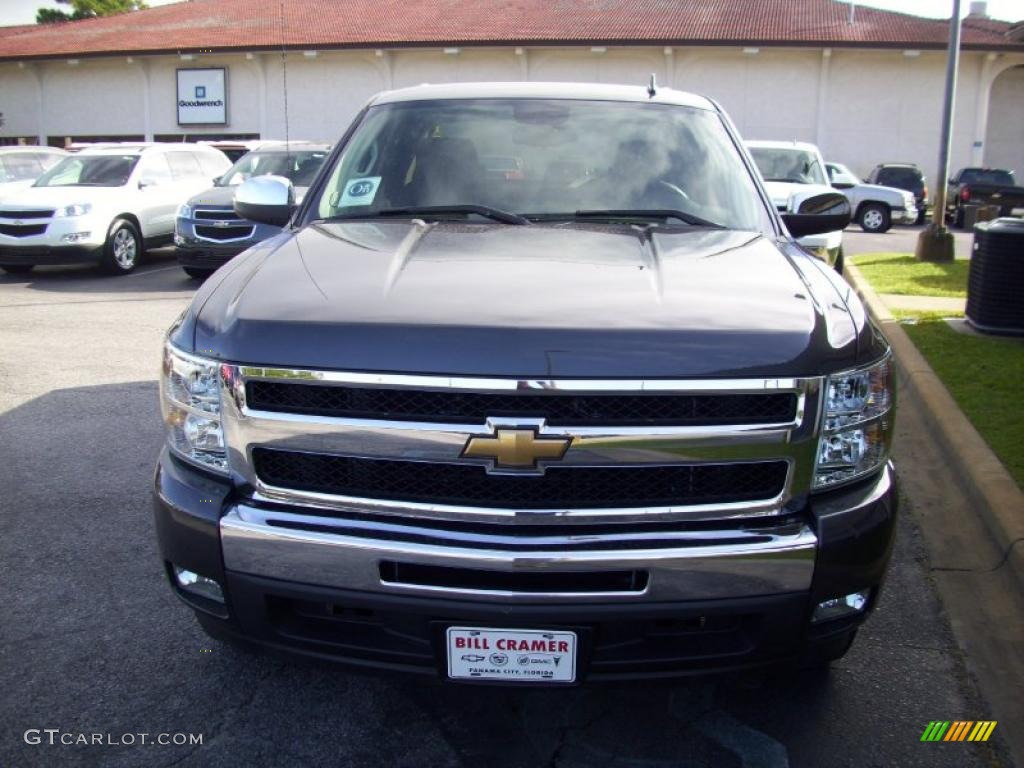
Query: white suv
point(792, 172)
point(105, 205)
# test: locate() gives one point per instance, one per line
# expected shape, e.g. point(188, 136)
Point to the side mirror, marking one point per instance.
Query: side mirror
point(266, 199)
point(827, 212)
point(843, 184)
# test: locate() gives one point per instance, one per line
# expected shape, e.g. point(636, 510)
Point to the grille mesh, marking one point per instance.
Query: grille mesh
point(558, 408)
point(558, 488)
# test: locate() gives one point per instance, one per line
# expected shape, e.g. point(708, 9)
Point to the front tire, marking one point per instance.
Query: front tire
point(17, 269)
point(197, 273)
point(123, 248)
point(840, 261)
point(874, 217)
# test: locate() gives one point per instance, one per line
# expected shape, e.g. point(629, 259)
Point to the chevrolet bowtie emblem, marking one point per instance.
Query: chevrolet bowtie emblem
point(512, 448)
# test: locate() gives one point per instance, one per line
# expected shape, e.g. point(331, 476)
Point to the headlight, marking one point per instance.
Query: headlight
point(76, 209)
point(190, 401)
point(184, 211)
point(857, 424)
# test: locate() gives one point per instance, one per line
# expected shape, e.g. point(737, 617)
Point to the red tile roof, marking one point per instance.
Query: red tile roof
point(262, 24)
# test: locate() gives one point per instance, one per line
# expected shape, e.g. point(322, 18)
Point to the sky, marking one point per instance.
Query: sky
point(24, 11)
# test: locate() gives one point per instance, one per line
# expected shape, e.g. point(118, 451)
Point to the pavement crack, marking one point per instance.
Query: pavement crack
point(993, 569)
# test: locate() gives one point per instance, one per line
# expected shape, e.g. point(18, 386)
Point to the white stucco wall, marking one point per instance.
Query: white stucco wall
point(1004, 144)
point(861, 106)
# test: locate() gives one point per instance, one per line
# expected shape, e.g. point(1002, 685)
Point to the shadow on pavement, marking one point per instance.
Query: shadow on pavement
point(92, 640)
point(158, 272)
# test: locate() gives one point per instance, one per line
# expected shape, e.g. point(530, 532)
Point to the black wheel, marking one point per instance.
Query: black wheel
point(958, 217)
point(840, 259)
point(822, 654)
point(197, 272)
point(874, 217)
point(123, 248)
point(922, 215)
point(17, 269)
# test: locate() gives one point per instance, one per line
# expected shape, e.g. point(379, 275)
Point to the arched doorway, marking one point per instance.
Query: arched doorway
point(1004, 137)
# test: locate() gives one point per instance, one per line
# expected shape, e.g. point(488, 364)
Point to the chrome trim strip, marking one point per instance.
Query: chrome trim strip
point(409, 381)
point(231, 224)
point(775, 560)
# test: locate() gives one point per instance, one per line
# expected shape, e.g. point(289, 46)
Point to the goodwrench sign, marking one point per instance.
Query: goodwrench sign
point(202, 97)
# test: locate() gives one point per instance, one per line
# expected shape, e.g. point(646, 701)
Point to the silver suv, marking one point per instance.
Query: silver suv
point(875, 208)
point(104, 205)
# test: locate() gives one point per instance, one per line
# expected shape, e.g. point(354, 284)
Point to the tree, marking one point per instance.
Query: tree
point(86, 9)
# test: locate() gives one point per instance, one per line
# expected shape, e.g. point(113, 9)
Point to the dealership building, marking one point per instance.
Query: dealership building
point(865, 85)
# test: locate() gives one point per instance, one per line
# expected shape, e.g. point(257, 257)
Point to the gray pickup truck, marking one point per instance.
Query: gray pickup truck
point(599, 417)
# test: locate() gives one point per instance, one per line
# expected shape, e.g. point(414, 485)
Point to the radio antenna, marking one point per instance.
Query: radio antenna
point(284, 83)
point(652, 86)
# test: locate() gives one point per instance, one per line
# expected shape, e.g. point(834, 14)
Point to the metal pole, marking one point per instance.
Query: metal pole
point(945, 145)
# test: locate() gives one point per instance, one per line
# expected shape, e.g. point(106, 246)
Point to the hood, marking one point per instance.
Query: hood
point(537, 301)
point(54, 197)
point(783, 193)
point(226, 196)
point(8, 188)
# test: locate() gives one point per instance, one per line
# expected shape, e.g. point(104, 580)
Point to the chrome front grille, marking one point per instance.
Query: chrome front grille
point(216, 214)
point(15, 223)
point(637, 450)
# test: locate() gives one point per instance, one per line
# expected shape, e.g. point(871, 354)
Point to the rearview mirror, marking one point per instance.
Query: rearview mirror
point(266, 199)
point(827, 212)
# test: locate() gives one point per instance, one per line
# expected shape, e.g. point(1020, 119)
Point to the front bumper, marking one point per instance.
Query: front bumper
point(713, 598)
point(904, 215)
point(45, 255)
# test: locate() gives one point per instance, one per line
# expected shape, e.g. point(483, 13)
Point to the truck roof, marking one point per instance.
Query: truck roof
point(581, 91)
point(806, 146)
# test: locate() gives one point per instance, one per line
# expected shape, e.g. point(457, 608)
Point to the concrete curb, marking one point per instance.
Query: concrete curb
point(996, 496)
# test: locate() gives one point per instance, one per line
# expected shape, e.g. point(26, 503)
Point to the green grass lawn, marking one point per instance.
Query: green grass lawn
point(903, 274)
point(984, 374)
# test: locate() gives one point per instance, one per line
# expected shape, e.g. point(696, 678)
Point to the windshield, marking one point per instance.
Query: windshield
point(987, 176)
point(797, 166)
point(90, 171)
point(299, 167)
point(19, 166)
point(542, 159)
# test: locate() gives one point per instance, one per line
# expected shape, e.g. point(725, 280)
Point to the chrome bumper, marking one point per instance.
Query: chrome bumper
point(681, 565)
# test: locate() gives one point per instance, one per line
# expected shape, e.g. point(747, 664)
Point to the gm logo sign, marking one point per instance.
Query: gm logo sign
point(200, 91)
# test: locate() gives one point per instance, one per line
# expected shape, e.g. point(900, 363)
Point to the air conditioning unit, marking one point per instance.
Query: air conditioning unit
point(995, 285)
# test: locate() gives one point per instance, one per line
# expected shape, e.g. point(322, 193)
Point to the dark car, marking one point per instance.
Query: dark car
point(903, 176)
point(208, 233)
point(596, 419)
point(994, 187)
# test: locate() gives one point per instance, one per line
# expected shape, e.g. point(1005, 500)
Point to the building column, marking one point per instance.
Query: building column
point(260, 65)
point(147, 118)
point(985, 79)
point(39, 76)
point(524, 64)
point(823, 78)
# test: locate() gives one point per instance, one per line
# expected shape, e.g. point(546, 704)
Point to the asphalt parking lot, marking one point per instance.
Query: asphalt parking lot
point(93, 641)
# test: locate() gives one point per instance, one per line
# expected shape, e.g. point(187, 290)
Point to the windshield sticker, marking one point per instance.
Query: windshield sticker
point(360, 191)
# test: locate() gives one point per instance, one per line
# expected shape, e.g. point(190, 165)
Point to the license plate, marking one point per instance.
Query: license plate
point(513, 655)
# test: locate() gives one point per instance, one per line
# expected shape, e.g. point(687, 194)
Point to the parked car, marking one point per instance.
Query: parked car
point(208, 232)
point(793, 171)
point(234, 149)
point(103, 205)
point(22, 165)
point(875, 208)
point(604, 410)
point(904, 176)
point(983, 186)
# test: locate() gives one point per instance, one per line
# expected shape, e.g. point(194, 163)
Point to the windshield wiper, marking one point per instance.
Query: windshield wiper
point(643, 214)
point(429, 211)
